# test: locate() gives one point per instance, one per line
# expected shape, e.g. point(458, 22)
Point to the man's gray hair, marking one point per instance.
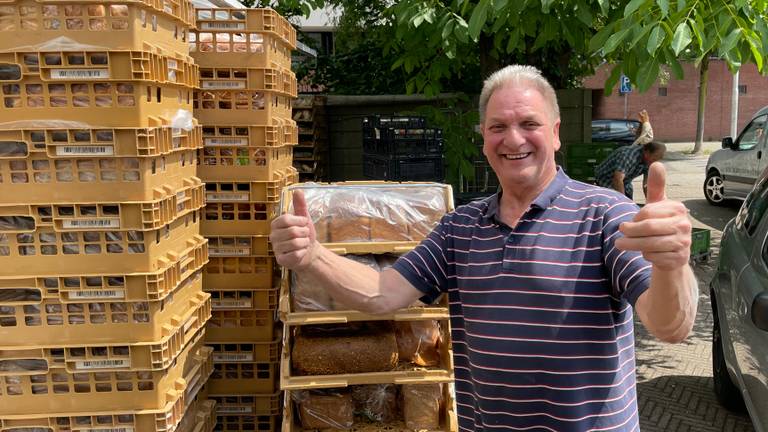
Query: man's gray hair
point(515, 75)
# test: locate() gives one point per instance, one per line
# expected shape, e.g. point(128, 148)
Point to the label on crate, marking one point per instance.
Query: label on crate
point(79, 73)
point(233, 409)
point(226, 141)
point(231, 304)
point(226, 196)
point(102, 364)
point(90, 223)
point(173, 64)
point(229, 251)
point(85, 150)
point(222, 85)
point(222, 26)
point(232, 358)
point(96, 294)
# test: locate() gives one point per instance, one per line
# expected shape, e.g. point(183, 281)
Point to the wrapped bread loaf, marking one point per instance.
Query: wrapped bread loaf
point(324, 410)
point(389, 223)
point(348, 229)
point(417, 342)
point(309, 295)
point(421, 405)
point(376, 402)
point(342, 349)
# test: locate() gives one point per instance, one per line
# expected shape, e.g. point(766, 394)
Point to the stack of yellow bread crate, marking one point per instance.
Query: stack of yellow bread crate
point(102, 312)
point(244, 106)
point(347, 370)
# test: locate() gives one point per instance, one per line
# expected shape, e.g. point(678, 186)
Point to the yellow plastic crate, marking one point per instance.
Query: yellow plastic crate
point(247, 325)
point(47, 252)
point(121, 24)
point(228, 299)
point(448, 419)
point(249, 20)
point(237, 107)
point(96, 104)
point(152, 64)
point(240, 272)
point(276, 80)
point(37, 179)
point(38, 385)
point(48, 321)
point(227, 163)
point(105, 216)
point(264, 404)
point(112, 287)
point(239, 246)
point(245, 369)
point(278, 133)
point(200, 417)
point(119, 142)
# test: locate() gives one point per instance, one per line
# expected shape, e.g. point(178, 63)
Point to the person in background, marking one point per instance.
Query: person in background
point(645, 133)
point(626, 163)
point(542, 277)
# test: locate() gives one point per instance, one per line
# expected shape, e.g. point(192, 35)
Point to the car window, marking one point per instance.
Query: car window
point(600, 127)
point(753, 208)
point(752, 133)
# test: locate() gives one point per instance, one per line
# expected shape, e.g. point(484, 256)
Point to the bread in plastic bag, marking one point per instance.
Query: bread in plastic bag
point(421, 405)
point(324, 409)
point(307, 295)
point(376, 402)
point(418, 342)
point(342, 349)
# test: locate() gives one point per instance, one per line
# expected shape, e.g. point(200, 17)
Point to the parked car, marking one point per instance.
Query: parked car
point(616, 130)
point(739, 296)
point(732, 171)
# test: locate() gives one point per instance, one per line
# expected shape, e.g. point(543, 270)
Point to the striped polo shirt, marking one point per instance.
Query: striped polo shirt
point(541, 313)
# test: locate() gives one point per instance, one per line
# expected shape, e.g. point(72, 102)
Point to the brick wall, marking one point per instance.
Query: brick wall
point(674, 116)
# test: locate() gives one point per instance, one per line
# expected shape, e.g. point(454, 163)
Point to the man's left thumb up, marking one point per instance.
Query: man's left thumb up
point(657, 179)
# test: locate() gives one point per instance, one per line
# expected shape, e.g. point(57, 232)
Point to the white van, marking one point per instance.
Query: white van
point(734, 169)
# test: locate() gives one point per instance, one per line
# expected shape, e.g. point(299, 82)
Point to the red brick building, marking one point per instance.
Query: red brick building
point(672, 108)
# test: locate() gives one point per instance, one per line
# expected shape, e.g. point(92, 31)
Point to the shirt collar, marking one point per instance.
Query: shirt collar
point(542, 201)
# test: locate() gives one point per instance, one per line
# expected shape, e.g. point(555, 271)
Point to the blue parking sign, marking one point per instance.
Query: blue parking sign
point(624, 85)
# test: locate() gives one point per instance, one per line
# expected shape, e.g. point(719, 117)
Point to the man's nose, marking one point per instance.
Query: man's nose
point(514, 136)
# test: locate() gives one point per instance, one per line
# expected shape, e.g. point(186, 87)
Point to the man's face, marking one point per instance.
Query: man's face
point(520, 137)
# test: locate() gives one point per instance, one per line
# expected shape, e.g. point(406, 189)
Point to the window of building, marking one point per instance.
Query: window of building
point(742, 89)
point(662, 91)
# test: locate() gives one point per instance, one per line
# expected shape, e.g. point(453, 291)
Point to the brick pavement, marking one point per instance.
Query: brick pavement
point(674, 382)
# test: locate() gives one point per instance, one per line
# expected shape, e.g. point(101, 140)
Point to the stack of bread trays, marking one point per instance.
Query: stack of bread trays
point(243, 103)
point(343, 369)
point(102, 312)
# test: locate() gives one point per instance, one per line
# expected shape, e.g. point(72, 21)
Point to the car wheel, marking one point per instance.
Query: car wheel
point(713, 188)
point(726, 391)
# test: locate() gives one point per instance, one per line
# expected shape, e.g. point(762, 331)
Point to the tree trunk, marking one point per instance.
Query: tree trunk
point(703, 77)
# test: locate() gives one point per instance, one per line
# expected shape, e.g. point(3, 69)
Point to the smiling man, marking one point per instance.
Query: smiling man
point(542, 278)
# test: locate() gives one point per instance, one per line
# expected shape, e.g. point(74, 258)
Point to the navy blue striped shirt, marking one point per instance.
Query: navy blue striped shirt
point(541, 313)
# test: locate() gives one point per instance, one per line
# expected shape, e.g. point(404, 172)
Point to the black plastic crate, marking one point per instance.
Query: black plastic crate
point(400, 148)
point(411, 169)
point(395, 122)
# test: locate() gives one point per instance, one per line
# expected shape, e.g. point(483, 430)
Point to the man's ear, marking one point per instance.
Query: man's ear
point(556, 132)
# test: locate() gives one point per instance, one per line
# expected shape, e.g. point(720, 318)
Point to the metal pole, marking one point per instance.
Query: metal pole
point(626, 98)
point(735, 105)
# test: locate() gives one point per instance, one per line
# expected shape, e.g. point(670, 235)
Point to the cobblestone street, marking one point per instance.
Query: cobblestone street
point(675, 391)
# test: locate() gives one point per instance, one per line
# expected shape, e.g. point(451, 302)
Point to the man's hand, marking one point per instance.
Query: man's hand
point(293, 236)
point(661, 230)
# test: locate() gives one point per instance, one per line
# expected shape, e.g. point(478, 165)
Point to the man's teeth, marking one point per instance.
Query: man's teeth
point(515, 156)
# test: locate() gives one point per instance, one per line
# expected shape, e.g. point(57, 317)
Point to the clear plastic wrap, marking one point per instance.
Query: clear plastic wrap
point(376, 402)
point(379, 213)
point(309, 296)
point(421, 405)
point(324, 409)
point(342, 349)
point(418, 342)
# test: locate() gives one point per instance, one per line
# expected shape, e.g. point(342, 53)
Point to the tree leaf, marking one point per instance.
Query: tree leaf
point(681, 5)
point(730, 41)
point(647, 74)
point(632, 7)
point(654, 40)
point(499, 4)
point(614, 41)
point(663, 7)
point(448, 29)
point(613, 78)
point(460, 31)
point(583, 14)
point(514, 38)
point(477, 21)
point(677, 68)
point(640, 33)
point(600, 38)
point(546, 5)
point(682, 37)
point(604, 5)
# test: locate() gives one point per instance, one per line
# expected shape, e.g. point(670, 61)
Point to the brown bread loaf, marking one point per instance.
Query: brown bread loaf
point(421, 405)
point(343, 349)
point(376, 402)
point(326, 410)
point(417, 342)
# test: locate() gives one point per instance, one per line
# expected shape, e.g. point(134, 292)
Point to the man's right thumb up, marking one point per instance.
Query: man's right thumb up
point(300, 204)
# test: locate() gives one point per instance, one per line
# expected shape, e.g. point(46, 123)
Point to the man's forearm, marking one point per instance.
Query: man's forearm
point(618, 184)
point(353, 284)
point(670, 304)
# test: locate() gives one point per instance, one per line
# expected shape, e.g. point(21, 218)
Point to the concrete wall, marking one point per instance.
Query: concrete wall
point(674, 116)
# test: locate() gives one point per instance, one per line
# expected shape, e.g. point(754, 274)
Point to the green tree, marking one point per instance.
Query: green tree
point(642, 35)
